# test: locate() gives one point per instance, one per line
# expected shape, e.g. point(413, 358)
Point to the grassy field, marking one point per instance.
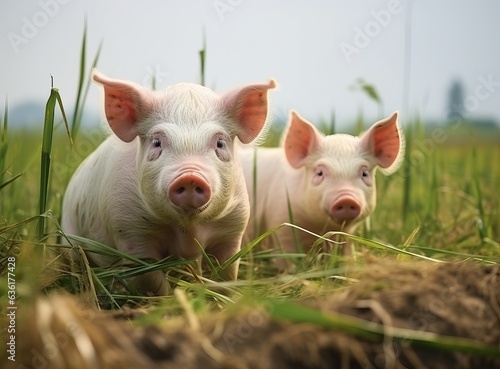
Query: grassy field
point(442, 205)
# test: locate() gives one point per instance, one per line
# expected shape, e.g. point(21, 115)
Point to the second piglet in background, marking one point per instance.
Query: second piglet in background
point(321, 183)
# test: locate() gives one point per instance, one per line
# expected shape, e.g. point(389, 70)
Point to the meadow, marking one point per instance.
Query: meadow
point(443, 201)
point(441, 206)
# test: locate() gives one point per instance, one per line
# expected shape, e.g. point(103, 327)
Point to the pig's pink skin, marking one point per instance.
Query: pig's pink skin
point(119, 195)
point(315, 175)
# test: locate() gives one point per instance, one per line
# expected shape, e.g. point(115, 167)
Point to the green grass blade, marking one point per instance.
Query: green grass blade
point(492, 259)
point(103, 288)
point(412, 236)
point(296, 313)
point(3, 141)
point(48, 131)
point(48, 134)
point(331, 128)
point(65, 120)
point(380, 245)
point(298, 245)
point(134, 271)
point(75, 124)
point(247, 248)
point(367, 242)
point(481, 221)
point(207, 259)
point(13, 226)
point(81, 102)
point(83, 83)
point(2, 185)
point(202, 54)
point(408, 175)
point(255, 224)
point(99, 248)
point(142, 266)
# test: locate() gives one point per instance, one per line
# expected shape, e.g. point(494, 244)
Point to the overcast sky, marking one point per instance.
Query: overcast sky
point(314, 49)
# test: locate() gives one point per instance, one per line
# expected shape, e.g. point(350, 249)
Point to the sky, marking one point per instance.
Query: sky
point(316, 51)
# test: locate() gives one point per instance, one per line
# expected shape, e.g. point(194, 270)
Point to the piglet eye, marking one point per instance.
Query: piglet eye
point(366, 176)
point(319, 175)
point(157, 142)
point(221, 147)
point(221, 144)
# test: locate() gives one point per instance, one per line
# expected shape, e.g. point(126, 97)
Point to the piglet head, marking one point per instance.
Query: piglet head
point(185, 162)
point(337, 171)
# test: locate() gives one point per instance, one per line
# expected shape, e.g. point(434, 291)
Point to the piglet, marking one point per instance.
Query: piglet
point(319, 183)
point(167, 177)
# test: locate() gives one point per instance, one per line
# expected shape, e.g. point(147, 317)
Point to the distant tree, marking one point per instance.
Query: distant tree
point(456, 108)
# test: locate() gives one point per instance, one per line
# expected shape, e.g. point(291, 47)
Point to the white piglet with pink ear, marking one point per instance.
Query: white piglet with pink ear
point(168, 176)
point(326, 183)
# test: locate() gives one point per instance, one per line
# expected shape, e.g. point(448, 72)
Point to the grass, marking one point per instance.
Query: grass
point(450, 206)
point(442, 205)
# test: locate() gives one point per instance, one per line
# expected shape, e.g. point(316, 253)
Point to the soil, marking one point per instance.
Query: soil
point(461, 300)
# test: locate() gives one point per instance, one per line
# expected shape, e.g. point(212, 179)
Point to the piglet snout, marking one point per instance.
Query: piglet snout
point(345, 208)
point(189, 191)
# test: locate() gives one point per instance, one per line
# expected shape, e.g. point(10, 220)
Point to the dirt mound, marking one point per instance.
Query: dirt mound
point(460, 300)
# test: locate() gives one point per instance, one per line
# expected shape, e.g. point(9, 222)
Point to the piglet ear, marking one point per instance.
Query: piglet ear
point(384, 140)
point(125, 104)
point(248, 106)
point(301, 139)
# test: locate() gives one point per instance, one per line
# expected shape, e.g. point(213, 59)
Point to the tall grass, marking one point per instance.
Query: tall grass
point(83, 83)
point(48, 132)
point(3, 142)
point(202, 55)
